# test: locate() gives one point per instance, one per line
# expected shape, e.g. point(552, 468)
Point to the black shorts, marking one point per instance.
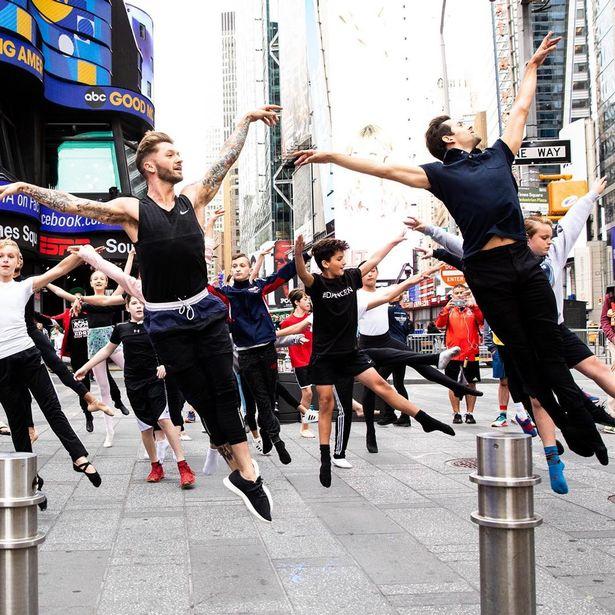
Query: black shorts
point(181, 349)
point(304, 377)
point(149, 402)
point(471, 371)
point(329, 369)
point(574, 349)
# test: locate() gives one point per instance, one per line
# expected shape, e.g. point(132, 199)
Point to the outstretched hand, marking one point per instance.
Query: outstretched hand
point(267, 114)
point(426, 252)
point(309, 156)
point(599, 185)
point(299, 246)
point(11, 189)
point(547, 47)
point(414, 224)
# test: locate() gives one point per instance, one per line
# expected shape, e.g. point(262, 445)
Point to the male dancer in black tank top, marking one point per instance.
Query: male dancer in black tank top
point(186, 324)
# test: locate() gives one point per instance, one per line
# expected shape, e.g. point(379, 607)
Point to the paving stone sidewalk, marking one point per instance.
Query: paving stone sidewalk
point(392, 535)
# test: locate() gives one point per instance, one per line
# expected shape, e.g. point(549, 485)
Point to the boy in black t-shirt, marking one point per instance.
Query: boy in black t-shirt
point(144, 379)
point(335, 354)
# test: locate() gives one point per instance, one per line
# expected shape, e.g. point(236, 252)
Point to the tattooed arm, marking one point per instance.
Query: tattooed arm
point(117, 211)
point(202, 192)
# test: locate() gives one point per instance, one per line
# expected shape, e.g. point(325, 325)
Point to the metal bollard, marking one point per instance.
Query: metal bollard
point(19, 535)
point(507, 521)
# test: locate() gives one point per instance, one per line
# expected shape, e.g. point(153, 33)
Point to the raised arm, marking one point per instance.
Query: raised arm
point(202, 192)
point(60, 292)
point(102, 355)
point(260, 259)
point(390, 292)
point(62, 268)
point(298, 327)
point(452, 243)
point(129, 283)
point(515, 129)
point(410, 176)
point(376, 257)
point(118, 211)
point(304, 275)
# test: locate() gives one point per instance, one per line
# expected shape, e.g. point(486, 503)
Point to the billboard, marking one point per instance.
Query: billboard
point(534, 200)
point(303, 211)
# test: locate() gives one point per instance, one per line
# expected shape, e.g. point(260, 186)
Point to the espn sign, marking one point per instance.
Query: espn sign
point(58, 246)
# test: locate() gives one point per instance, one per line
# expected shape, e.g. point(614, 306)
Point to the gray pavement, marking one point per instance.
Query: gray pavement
point(391, 535)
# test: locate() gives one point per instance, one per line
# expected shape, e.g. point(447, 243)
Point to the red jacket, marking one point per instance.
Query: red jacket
point(605, 321)
point(462, 329)
point(63, 320)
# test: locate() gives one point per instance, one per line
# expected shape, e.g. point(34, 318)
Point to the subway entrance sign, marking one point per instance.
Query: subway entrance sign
point(544, 151)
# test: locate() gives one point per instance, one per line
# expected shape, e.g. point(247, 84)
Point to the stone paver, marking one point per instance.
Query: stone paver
point(392, 535)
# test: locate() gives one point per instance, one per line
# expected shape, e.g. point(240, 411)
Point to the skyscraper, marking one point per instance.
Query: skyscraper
point(230, 188)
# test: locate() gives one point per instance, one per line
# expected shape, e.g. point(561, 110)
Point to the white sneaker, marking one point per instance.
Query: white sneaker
point(307, 433)
point(184, 437)
point(341, 463)
point(608, 429)
point(447, 355)
point(258, 444)
point(311, 416)
point(211, 461)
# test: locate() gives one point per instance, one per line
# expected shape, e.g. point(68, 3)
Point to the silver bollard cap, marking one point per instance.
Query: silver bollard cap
point(17, 475)
point(504, 454)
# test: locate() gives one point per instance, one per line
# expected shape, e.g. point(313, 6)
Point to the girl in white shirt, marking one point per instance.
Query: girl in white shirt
point(21, 367)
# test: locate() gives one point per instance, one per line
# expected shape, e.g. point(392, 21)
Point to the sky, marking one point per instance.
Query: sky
point(187, 79)
point(187, 56)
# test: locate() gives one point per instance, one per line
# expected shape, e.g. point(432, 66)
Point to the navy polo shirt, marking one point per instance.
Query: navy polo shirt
point(480, 192)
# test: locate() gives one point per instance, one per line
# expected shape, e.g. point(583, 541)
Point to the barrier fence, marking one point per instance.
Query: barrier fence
point(434, 342)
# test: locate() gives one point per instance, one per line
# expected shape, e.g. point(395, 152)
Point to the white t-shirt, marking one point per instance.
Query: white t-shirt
point(376, 320)
point(14, 336)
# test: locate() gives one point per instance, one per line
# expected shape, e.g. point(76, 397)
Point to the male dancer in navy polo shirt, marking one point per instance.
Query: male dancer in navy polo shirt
point(480, 191)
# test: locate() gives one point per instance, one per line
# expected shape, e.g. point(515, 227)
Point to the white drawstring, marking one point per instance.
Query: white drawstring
point(187, 309)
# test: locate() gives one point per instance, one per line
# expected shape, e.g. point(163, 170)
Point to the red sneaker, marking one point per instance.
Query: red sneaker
point(187, 478)
point(156, 474)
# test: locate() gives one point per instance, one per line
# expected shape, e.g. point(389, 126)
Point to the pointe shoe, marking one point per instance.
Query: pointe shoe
point(99, 406)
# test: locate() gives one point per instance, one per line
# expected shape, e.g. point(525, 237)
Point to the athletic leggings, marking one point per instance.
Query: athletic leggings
point(18, 374)
point(387, 352)
point(100, 373)
point(342, 392)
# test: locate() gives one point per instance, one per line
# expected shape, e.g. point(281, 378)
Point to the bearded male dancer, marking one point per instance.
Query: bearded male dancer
point(480, 192)
point(187, 325)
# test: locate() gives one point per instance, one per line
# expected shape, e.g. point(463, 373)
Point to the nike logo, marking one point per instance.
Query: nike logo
point(182, 213)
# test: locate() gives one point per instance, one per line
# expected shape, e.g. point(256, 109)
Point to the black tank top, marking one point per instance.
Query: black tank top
point(171, 251)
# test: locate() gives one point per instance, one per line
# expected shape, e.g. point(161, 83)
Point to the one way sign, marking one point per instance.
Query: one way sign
point(544, 152)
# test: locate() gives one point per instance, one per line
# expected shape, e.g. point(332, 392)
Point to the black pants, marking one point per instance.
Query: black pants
point(342, 392)
point(259, 368)
point(175, 401)
point(55, 364)
point(250, 405)
point(22, 372)
point(518, 302)
point(387, 352)
point(202, 363)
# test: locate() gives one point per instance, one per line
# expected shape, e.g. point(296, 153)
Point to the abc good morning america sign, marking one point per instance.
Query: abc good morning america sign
point(99, 98)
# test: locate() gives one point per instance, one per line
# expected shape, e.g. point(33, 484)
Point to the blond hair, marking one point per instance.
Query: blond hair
point(532, 224)
point(148, 145)
point(5, 243)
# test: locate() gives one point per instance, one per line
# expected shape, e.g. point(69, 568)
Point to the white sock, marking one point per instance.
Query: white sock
point(520, 410)
point(211, 461)
point(161, 449)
